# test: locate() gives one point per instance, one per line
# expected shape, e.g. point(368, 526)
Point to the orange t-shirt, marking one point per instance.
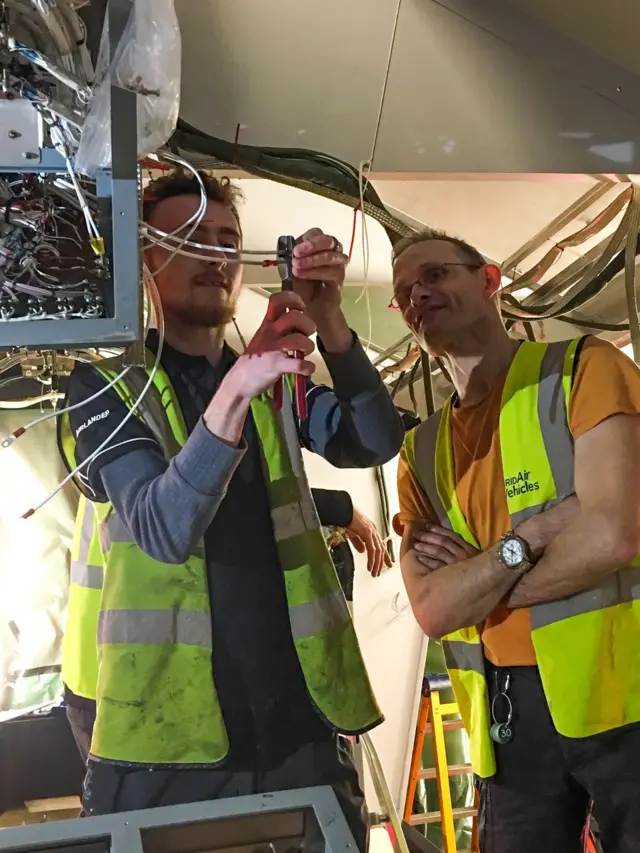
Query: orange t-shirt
point(607, 382)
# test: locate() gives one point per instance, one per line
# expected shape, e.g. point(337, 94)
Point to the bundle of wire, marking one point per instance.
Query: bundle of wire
point(44, 57)
point(47, 268)
point(47, 221)
point(155, 307)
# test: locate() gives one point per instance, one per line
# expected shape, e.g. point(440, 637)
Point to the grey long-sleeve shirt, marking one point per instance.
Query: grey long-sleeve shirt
point(168, 507)
point(213, 490)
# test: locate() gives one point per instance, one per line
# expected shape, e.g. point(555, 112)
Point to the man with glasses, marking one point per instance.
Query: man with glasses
point(519, 512)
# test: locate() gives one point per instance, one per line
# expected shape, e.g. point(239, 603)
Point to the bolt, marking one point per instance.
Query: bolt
point(29, 155)
point(13, 134)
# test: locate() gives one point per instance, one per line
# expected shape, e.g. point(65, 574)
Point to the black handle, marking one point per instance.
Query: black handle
point(285, 258)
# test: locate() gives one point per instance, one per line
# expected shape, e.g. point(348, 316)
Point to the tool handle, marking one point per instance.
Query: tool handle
point(278, 390)
point(285, 254)
point(301, 396)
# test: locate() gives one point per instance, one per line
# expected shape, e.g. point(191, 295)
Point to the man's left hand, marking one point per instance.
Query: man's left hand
point(363, 536)
point(319, 268)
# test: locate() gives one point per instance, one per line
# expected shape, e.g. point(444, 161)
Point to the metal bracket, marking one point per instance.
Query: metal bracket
point(308, 818)
point(119, 207)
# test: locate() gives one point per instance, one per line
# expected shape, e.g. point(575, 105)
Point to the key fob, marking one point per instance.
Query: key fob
point(501, 733)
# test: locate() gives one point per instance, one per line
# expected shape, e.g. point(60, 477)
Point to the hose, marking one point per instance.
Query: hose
point(329, 177)
point(382, 792)
point(300, 168)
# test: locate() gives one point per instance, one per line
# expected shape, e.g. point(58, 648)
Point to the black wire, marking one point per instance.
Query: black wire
point(411, 379)
point(386, 512)
point(396, 384)
point(296, 166)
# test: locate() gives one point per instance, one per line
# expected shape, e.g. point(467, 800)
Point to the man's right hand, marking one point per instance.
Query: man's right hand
point(437, 546)
point(285, 329)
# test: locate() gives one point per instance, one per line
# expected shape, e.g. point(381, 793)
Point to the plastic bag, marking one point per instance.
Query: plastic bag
point(35, 556)
point(148, 61)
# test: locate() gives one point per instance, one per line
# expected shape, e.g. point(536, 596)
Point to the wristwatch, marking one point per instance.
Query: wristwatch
point(514, 553)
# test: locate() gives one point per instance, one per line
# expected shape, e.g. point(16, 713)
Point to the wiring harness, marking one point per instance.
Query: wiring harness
point(47, 270)
point(44, 59)
point(51, 251)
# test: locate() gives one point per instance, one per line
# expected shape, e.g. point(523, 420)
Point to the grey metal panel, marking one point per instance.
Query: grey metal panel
point(20, 134)
point(310, 813)
point(118, 190)
point(475, 86)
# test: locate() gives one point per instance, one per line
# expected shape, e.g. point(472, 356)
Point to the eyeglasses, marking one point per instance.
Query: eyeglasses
point(429, 275)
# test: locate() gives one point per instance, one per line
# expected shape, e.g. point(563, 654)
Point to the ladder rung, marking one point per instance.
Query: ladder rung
point(448, 725)
point(453, 770)
point(436, 817)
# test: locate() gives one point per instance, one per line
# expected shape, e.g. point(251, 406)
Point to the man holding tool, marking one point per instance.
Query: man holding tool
point(227, 660)
point(519, 511)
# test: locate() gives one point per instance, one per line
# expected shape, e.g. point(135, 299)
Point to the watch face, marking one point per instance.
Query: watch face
point(513, 552)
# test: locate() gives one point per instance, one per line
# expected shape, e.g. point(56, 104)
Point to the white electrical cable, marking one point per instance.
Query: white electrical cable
point(199, 257)
point(60, 144)
point(155, 298)
point(367, 166)
point(30, 401)
point(155, 235)
point(193, 220)
point(365, 256)
point(9, 440)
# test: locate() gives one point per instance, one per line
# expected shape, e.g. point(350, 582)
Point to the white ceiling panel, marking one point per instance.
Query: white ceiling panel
point(472, 86)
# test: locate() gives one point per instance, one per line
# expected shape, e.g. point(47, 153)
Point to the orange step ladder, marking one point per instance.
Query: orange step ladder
point(431, 720)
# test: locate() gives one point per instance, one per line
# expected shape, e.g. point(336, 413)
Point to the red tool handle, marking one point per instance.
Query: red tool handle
point(285, 254)
point(278, 390)
point(301, 395)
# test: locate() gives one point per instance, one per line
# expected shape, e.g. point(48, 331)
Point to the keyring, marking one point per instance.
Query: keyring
point(502, 732)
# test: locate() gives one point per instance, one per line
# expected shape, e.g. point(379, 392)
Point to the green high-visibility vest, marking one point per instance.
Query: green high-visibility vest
point(156, 699)
point(587, 644)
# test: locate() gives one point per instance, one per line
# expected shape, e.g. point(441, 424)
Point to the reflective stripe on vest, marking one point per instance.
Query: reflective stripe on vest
point(79, 650)
point(160, 703)
point(595, 629)
point(154, 628)
point(83, 572)
point(325, 613)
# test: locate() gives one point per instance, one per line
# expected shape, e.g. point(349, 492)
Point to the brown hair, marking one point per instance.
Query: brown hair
point(470, 255)
point(180, 182)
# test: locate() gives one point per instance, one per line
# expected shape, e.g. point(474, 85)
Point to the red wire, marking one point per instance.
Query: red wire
point(353, 230)
point(235, 144)
point(151, 164)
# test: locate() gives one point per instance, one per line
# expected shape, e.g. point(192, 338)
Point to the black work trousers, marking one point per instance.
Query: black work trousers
point(109, 789)
point(539, 798)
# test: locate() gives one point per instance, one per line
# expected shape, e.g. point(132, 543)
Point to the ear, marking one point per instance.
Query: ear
point(493, 279)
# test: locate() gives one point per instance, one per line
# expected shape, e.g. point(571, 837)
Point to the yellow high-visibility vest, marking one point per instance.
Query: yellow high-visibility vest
point(156, 698)
point(79, 649)
point(586, 645)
